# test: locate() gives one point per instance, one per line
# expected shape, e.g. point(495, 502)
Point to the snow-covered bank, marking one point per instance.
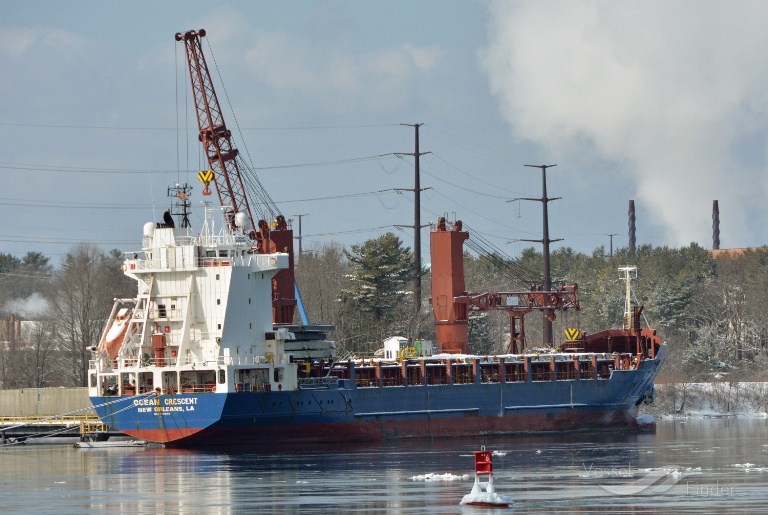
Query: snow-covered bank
point(719, 399)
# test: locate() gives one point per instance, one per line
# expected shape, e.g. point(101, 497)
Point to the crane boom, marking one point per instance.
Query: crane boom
point(224, 161)
point(214, 135)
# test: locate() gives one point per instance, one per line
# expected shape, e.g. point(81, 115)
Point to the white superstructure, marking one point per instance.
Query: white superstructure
point(201, 320)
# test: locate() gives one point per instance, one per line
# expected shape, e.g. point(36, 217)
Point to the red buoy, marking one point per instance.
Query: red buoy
point(483, 492)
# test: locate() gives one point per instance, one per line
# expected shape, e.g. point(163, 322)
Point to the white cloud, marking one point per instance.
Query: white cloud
point(338, 78)
point(16, 42)
point(668, 91)
point(425, 58)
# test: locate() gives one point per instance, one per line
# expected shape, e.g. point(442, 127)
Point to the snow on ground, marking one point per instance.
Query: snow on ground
point(718, 399)
point(646, 420)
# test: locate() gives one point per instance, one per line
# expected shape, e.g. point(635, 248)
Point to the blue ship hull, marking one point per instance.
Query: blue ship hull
point(347, 412)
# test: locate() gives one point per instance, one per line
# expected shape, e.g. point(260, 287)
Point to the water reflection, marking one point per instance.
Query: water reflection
point(572, 472)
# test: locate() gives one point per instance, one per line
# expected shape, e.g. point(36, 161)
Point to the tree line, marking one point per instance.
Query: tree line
point(709, 311)
point(61, 314)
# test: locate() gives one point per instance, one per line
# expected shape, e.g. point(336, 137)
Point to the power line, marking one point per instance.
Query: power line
point(501, 259)
point(334, 197)
point(351, 231)
point(478, 214)
point(33, 239)
point(70, 205)
point(72, 169)
point(164, 129)
point(326, 163)
point(60, 204)
point(463, 188)
point(477, 145)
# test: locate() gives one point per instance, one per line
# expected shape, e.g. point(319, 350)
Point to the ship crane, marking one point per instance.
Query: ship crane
point(518, 304)
point(224, 161)
point(451, 302)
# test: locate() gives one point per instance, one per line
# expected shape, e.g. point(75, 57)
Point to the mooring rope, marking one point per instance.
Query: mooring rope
point(62, 415)
point(23, 439)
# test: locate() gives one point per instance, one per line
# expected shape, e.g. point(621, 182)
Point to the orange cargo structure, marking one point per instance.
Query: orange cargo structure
point(449, 301)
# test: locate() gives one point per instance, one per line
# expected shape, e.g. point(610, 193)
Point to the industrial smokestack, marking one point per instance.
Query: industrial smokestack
point(12, 332)
point(632, 227)
point(715, 225)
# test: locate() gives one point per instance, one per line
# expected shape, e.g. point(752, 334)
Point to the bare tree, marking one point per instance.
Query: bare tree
point(81, 299)
point(321, 275)
point(35, 363)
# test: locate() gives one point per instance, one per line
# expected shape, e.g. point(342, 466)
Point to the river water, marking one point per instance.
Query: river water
point(686, 466)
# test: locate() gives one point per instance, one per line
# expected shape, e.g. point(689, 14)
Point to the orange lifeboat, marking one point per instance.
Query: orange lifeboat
point(115, 335)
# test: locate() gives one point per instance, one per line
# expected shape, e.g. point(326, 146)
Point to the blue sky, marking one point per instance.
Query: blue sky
point(660, 102)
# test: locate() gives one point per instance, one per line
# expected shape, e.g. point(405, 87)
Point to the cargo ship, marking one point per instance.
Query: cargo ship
point(195, 357)
point(207, 352)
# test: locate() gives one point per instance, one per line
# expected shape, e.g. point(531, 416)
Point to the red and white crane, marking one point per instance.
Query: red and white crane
point(233, 185)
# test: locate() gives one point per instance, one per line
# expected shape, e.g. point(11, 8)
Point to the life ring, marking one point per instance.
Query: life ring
point(213, 389)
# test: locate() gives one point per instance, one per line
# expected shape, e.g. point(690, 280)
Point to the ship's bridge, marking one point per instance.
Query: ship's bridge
point(167, 248)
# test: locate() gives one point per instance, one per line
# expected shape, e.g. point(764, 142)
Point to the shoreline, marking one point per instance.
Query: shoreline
point(685, 400)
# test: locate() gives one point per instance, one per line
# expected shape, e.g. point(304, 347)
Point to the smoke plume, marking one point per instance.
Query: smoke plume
point(672, 94)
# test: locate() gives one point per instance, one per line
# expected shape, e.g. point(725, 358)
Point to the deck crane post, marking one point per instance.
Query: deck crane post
point(452, 303)
point(223, 159)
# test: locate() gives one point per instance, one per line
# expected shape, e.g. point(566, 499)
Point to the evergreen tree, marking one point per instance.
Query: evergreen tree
point(479, 333)
point(379, 284)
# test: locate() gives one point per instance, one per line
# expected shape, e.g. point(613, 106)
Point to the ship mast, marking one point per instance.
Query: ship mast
point(630, 272)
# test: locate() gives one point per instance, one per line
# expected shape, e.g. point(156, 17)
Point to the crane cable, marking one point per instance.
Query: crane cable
point(250, 179)
point(69, 413)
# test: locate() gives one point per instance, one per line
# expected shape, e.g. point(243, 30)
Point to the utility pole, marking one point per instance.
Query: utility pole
point(611, 237)
point(546, 329)
point(299, 237)
point(416, 218)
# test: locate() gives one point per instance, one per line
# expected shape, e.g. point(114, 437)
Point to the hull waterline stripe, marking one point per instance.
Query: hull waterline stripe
point(416, 412)
point(568, 405)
